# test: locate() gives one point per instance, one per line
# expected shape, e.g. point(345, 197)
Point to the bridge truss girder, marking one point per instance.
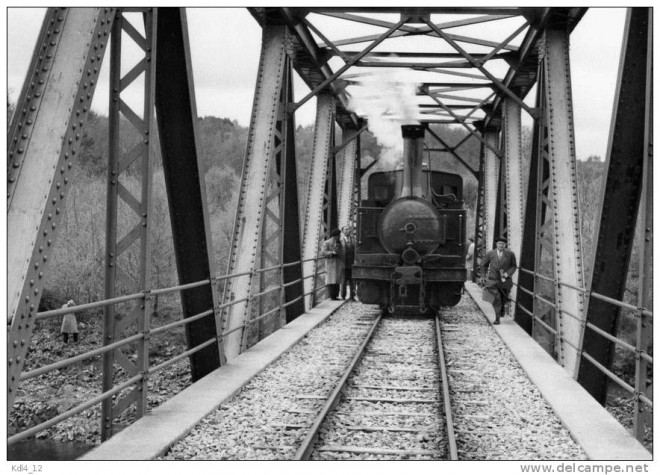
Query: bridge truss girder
point(138, 236)
point(629, 159)
point(553, 194)
point(321, 207)
point(266, 231)
point(43, 139)
point(51, 115)
point(186, 190)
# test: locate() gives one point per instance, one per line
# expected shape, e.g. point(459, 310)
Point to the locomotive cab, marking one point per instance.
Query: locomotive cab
point(411, 228)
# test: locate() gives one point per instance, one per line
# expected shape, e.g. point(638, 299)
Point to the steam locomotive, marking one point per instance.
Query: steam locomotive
point(411, 235)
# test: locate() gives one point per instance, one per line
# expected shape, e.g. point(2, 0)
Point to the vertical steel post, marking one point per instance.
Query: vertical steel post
point(500, 208)
point(645, 248)
point(149, 131)
point(567, 244)
point(531, 236)
point(330, 209)
point(317, 188)
point(254, 183)
point(479, 218)
point(44, 138)
point(491, 181)
point(514, 183)
point(112, 204)
point(347, 180)
point(176, 112)
point(620, 199)
point(142, 153)
point(289, 210)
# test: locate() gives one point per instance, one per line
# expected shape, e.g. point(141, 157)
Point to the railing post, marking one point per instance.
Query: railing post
point(314, 279)
point(143, 355)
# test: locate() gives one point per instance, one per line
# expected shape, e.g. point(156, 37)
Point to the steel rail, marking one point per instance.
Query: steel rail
point(305, 449)
point(449, 420)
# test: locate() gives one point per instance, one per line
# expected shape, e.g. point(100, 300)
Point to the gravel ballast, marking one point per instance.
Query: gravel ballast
point(267, 419)
point(498, 413)
point(391, 406)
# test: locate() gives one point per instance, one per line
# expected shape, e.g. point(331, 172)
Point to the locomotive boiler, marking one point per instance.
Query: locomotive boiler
point(411, 232)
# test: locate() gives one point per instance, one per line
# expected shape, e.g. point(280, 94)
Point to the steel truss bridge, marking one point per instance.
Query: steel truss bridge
point(477, 83)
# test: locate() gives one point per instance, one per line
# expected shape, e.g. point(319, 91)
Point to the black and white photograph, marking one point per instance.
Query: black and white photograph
point(340, 233)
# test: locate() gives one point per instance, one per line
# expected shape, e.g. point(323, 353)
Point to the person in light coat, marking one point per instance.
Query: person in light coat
point(69, 324)
point(469, 258)
point(501, 265)
point(331, 250)
point(348, 256)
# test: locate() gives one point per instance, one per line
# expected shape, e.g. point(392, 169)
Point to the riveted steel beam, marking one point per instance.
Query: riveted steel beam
point(564, 196)
point(534, 215)
point(511, 134)
point(42, 143)
point(500, 208)
point(290, 206)
point(254, 183)
point(330, 208)
point(318, 177)
point(184, 180)
point(452, 151)
point(142, 155)
point(347, 181)
point(643, 414)
point(491, 183)
point(479, 218)
point(621, 196)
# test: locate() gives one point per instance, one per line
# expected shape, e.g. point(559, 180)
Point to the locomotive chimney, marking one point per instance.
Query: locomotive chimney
point(413, 146)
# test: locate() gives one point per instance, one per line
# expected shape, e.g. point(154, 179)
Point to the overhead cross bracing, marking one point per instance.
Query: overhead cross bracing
point(473, 57)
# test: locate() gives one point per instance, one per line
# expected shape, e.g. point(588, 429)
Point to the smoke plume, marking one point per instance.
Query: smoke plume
point(388, 102)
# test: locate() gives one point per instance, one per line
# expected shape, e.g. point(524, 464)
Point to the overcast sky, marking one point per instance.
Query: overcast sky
point(225, 44)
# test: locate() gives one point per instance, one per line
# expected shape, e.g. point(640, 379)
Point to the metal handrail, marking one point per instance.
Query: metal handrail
point(82, 357)
point(180, 356)
point(72, 412)
point(638, 313)
point(115, 300)
point(141, 335)
point(590, 293)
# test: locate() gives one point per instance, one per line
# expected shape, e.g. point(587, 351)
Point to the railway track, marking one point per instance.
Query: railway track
point(387, 403)
point(391, 402)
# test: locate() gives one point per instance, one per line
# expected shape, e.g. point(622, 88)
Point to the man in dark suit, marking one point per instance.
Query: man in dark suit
point(501, 265)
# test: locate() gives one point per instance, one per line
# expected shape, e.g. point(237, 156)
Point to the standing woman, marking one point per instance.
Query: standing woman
point(69, 324)
point(331, 250)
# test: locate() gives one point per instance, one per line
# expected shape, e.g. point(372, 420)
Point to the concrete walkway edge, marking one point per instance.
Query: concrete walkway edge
point(151, 436)
point(599, 434)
